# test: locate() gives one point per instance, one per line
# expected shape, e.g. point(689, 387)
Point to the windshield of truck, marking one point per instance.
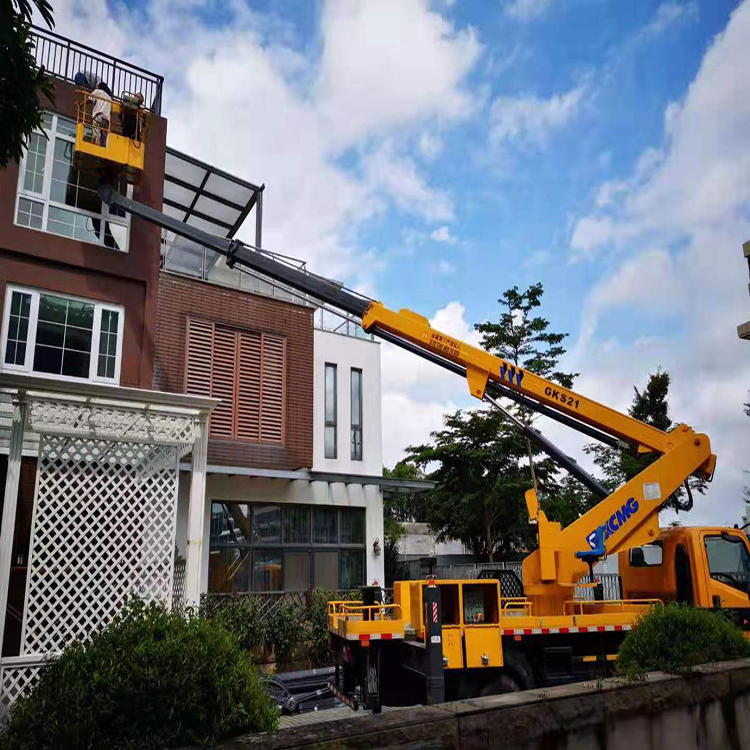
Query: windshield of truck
point(729, 561)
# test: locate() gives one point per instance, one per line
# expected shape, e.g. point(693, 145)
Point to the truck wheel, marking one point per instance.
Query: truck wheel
point(516, 676)
point(505, 683)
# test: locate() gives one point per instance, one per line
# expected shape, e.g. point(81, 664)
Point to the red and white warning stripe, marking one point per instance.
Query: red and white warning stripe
point(586, 629)
point(375, 637)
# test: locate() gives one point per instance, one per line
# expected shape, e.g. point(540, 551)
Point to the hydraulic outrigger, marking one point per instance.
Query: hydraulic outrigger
point(465, 637)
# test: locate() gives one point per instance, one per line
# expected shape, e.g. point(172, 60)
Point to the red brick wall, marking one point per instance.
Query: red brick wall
point(69, 266)
point(179, 298)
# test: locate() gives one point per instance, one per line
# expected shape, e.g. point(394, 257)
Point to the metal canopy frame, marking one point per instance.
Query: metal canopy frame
point(392, 484)
point(211, 196)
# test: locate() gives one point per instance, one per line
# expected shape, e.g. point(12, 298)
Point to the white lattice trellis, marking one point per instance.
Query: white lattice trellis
point(17, 675)
point(104, 524)
point(64, 416)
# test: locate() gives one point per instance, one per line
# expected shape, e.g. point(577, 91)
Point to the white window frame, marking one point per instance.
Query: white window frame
point(44, 199)
point(28, 366)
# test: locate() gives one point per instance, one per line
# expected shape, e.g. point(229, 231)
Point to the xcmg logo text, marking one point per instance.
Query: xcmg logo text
point(615, 522)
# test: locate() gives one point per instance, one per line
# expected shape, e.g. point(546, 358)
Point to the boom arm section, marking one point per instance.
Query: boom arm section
point(482, 366)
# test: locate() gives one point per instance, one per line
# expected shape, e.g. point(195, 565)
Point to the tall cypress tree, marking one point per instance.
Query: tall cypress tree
point(482, 460)
point(651, 405)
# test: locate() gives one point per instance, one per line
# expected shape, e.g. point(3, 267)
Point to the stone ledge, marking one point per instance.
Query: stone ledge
point(517, 719)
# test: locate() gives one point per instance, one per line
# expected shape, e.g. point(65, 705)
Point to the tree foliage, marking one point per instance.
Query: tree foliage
point(524, 339)
point(651, 405)
point(481, 460)
point(22, 84)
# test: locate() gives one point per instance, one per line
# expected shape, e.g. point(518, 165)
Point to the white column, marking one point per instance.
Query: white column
point(196, 514)
point(9, 504)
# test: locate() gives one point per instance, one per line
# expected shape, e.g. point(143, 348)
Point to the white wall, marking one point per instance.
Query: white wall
point(419, 540)
point(347, 352)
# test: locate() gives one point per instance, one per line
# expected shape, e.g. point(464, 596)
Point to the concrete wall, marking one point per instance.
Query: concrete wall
point(706, 710)
point(419, 541)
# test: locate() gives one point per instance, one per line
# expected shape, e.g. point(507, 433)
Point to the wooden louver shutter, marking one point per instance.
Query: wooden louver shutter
point(246, 371)
point(223, 378)
point(200, 338)
point(248, 386)
point(273, 365)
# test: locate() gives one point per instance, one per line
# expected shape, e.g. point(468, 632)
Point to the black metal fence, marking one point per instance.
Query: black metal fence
point(268, 601)
point(64, 58)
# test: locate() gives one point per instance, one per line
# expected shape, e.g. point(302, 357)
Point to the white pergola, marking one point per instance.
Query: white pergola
point(105, 504)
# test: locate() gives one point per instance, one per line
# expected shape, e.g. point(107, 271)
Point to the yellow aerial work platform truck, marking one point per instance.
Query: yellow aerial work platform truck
point(446, 639)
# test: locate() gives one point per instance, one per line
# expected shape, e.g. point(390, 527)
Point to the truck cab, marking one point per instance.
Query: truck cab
point(705, 567)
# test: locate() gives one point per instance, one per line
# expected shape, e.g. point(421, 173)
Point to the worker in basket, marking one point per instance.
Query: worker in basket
point(101, 114)
point(132, 115)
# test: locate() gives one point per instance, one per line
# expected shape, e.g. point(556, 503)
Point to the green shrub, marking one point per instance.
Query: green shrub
point(317, 623)
point(285, 628)
point(677, 637)
point(152, 678)
point(242, 617)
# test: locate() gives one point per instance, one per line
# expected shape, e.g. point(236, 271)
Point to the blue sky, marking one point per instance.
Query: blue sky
point(435, 152)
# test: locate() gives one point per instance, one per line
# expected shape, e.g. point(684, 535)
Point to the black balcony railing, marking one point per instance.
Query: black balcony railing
point(64, 58)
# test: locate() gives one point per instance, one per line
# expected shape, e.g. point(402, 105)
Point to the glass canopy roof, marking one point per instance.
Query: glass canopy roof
point(206, 197)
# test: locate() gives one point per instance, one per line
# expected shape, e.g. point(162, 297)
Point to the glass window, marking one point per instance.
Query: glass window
point(61, 336)
point(729, 561)
point(267, 571)
point(296, 525)
point(329, 439)
point(230, 523)
point(296, 571)
point(67, 200)
point(229, 569)
point(326, 570)
point(646, 556)
point(108, 344)
point(18, 328)
point(356, 397)
point(30, 213)
point(325, 529)
point(351, 568)
point(352, 526)
point(35, 162)
point(266, 524)
point(272, 547)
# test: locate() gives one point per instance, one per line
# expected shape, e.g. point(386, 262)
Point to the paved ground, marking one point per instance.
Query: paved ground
point(329, 714)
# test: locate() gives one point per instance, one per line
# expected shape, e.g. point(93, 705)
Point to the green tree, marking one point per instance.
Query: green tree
point(651, 405)
point(398, 508)
point(482, 460)
point(523, 338)
point(479, 497)
point(22, 84)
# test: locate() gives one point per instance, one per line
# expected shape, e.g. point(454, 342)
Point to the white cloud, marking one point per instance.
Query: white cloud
point(530, 120)
point(430, 145)
point(445, 268)
point(537, 258)
point(668, 15)
point(527, 10)
point(246, 95)
point(395, 176)
point(443, 234)
point(689, 202)
point(391, 63)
